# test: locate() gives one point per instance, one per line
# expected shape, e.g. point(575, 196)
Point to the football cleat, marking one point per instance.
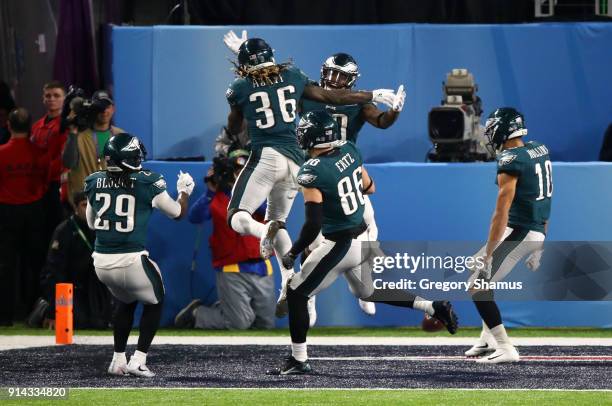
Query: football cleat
point(444, 312)
point(312, 311)
point(282, 308)
point(137, 369)
point(368, 308)
point(118, 367)
point(185, 318)
point(291, 367)
point(503, 354)
point(479, 349)
point(266, 247)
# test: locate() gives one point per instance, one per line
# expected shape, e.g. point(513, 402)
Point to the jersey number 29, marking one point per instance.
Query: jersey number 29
point(124, 208)
point(349, 190)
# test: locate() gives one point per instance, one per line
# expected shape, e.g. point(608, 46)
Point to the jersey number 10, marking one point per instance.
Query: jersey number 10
point(549, 185)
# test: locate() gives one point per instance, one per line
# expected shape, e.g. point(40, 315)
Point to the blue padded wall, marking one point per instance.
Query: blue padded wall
point(413, 202)
point(170, 81)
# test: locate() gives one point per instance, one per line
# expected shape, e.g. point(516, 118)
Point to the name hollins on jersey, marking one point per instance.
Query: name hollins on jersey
point(344, 162)
point(537, 152)
point(110, 183)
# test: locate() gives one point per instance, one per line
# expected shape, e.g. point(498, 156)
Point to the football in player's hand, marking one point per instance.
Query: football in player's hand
point(431, 325)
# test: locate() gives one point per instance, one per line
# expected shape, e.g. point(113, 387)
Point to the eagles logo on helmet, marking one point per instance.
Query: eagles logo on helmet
point(124, 153)
point(317, 129)
point(339, 71)
point(503, 124)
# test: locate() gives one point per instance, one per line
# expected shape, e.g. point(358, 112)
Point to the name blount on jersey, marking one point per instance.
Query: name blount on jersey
point(115, 183)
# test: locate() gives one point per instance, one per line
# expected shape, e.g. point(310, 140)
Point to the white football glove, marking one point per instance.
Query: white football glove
point(533, 260)
point(400, 96)
point(384, 96)
point(233, 42)
point(185, 183)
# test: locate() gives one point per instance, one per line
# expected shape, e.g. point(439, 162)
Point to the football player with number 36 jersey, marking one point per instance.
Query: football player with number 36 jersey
point(266, 95)
point(119, 203)
point(518, 227)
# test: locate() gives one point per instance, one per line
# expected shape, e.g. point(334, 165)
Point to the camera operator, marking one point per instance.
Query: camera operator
point(90, 127)
point(245, 285)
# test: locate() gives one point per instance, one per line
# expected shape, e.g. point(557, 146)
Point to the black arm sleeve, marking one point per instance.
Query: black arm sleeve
point(70, 155)
point(310, 229)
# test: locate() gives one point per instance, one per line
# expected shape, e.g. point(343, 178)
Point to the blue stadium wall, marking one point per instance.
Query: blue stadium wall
point(169, 82)
point(413, 202)
point(169, 85)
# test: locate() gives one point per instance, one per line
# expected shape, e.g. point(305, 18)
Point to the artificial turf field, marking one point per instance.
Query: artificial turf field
point(344, 374)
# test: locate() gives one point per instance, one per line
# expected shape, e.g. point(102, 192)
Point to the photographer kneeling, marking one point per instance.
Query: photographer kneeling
point(90, 127)
point(245, 285)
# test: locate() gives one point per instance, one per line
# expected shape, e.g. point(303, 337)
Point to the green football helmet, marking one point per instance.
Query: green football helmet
point(124, 153)
point(255, 52)
point(339, 71)
point(317, 129)
point(503, 124)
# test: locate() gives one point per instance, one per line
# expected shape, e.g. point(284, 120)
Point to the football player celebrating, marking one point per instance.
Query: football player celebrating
point(334, 181)
point(266, 95)
point(340, 71)
point(119, 203)
point(518, 227)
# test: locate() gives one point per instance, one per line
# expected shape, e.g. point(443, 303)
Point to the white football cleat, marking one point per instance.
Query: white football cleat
point(506, 353)
point(368, 308)
point(137, 369)
point(266, 248)
point(312, 311)
point(479, 349)
point(118, 366)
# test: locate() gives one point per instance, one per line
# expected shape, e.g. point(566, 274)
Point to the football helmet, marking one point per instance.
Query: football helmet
point(339, 71)
point(503, 124)
point(255, 53)
point(124, 153)
point(317, 129)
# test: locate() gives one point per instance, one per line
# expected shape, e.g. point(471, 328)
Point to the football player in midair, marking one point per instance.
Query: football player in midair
point(266, 94)
point(119, 203)
point(518, 226)
point(333, 183)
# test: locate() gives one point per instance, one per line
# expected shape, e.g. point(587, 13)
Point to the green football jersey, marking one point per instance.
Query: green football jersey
point(123, 210)
point(349, 117)
point(270, 110)
point(531, 164)
point(337, 175)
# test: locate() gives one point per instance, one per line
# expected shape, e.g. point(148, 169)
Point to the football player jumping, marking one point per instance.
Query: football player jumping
point(266, 95)
point(334, 181)
point(518, 227)
point(119, 203)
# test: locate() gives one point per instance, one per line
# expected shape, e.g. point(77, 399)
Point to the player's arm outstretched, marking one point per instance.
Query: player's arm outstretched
point(346, 96)
point(313, 203)
point(384, 119)
point(507, 189)
point(176, 209)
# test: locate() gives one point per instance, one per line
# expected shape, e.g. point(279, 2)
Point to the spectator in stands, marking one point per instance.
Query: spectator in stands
point(69, 261)
point(245, 285)
point(83, 150)
point(226, 142)
point(23, 183)
point(47, 135)
point(7, 104)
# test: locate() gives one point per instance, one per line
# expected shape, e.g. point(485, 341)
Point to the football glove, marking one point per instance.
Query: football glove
point(398, 102)
point(533, 260)
point(288, 260)
point(233, 42)
point(384, 96)
point(185, 183)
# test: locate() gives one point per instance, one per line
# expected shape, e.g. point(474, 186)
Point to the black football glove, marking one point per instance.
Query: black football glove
point(288, 260)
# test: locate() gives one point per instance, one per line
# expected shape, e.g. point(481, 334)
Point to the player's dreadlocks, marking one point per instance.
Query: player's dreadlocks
point(265, 75)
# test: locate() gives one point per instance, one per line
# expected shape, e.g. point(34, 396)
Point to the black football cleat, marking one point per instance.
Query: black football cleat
point(444, 312)
point(185, 318)
point(291, 367)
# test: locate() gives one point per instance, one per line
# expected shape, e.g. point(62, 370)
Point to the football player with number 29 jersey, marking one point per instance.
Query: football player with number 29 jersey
point(518, 227)
point(266, 95)
point(119, 204)
point(333, 183)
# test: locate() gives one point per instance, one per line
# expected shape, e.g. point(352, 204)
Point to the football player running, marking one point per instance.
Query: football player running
point(119, 203)
point(266, 95)
point(334, 181)
point(518, 226)
point(340, 71)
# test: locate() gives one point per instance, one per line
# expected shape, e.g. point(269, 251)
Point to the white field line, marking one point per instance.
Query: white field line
point(15, 342)
point(437, 390)
point(531, 358)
